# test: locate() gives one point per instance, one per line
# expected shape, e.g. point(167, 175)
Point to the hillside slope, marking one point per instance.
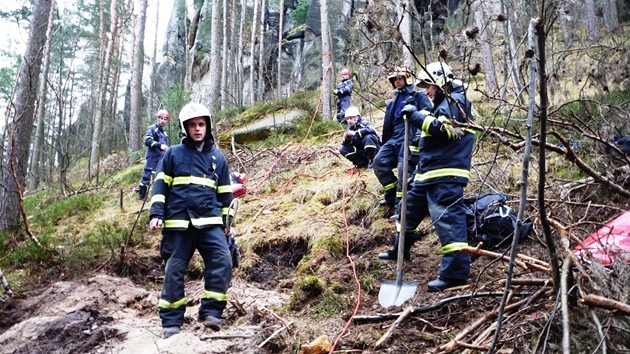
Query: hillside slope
point(309, 230)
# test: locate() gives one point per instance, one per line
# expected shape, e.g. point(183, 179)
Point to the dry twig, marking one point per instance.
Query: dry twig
point(408, 311)
point(523, 261)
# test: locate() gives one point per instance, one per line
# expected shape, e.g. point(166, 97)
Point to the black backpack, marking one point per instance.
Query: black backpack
point(491, 221)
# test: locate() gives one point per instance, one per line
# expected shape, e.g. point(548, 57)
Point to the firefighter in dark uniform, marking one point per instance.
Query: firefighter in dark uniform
point(156, 140)
point(441, 175)
point(190, 203)
point(390, 155)
point(360, 141)
point(344, 95)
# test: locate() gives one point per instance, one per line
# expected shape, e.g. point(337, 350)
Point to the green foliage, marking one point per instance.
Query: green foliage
point(27, 251)
point(330, 305)
point(48, 211)
point(300, 13)
point(311, 286)
point(130, 176)
point(173, 101)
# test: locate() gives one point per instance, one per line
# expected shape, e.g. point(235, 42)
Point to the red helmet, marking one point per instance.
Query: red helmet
point(345, 72)
point(163, 114)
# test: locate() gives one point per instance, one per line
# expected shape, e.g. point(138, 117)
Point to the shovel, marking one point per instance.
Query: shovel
point(396, 292)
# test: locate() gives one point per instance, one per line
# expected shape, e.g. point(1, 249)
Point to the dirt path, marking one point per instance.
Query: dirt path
point(104, 314)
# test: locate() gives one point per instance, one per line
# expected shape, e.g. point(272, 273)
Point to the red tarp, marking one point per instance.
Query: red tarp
point(605, 244)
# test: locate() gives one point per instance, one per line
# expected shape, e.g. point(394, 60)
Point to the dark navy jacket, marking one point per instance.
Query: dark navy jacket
point(192, 186)
point(153, 138)
point(363, 128)
point(393, 124)
point(344, 91)
point(445, 150)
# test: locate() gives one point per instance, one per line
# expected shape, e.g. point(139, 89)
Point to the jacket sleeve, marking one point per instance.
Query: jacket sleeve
point(366, 129)
point(224, 189)
point(162, 183)
point(149, 138)
point(436, 124)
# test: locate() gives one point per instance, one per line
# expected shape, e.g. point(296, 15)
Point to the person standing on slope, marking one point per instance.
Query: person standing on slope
point(191, 201)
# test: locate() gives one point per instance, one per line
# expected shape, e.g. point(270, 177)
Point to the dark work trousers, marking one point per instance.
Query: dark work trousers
point(177, 249)
point(149, 166)
point(444, 203)
point(361, 152)
point(389, 156)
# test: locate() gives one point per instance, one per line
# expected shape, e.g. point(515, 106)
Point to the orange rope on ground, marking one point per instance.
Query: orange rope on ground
point(354, 271)
point(319, 102)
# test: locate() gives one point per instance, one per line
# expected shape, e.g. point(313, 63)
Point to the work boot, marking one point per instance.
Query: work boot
point(212, 323)
point(440, 284)
point(142, 192)
point(392, 255)
point(385, 202)
point(169, 331)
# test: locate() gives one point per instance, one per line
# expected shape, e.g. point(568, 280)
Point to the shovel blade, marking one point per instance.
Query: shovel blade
point(395, 293)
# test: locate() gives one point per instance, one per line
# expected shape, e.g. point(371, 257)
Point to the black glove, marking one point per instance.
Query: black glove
point(408, 110)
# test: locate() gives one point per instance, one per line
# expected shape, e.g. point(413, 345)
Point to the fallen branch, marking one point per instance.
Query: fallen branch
point(529, 282)
point(454, 343)
point(5, 284)
point(605, 303)
point(523, 261)
point(391, 329)
point(226, 336)
point(427, 308)
point(275, 334)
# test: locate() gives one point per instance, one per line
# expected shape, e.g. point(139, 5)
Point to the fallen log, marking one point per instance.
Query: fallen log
point(605, 303)
point(5, 284)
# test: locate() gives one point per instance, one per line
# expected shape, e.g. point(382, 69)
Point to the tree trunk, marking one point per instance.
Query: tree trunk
point(41, 107)
point(215, 76)
point(102, 89)
point(591, 21)
point(486, 50)
point(405, 31)
point(224, 56)
point(21, 127)
point(280, 30)
point(239, 58)
point(231, 62)
point(252, 47)
point(564, 26)
point(261, 51)
point(152, 86)
point(136, 78)
point(327, 66)
point(611, 19)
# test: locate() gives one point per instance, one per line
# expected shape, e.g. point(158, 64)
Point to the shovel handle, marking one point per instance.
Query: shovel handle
point(403, 207)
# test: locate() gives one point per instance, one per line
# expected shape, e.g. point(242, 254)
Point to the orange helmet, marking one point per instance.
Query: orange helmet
point(162, 113)
point(345, 72)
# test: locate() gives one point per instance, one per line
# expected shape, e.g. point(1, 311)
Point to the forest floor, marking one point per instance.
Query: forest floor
point(309, 229)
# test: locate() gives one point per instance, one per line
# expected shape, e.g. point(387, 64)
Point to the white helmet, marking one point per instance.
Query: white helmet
point(436, 73)
point(352, 111)
point(193, 110)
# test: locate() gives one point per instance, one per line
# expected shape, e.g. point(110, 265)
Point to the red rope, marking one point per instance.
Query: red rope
point(354, 270)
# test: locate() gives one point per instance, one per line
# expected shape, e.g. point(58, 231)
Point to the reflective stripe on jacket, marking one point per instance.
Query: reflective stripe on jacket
point(192, 186)
point(445, 150)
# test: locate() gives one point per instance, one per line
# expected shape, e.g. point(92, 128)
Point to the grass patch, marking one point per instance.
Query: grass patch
point(48, 210)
